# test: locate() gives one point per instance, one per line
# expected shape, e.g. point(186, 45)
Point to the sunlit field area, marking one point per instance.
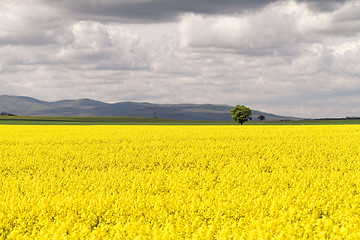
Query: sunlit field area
point(180, 182)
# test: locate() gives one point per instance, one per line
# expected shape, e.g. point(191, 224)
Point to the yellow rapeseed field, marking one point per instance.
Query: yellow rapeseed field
point(180, 182)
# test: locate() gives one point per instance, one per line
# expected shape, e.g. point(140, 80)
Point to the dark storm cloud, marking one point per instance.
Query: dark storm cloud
point(324, 5)
point(156, 10)
point(169, 10)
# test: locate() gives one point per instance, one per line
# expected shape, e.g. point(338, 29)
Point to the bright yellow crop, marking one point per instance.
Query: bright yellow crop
point(179, 182)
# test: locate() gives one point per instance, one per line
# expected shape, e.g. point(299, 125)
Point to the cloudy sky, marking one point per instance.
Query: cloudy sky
point(296, 58)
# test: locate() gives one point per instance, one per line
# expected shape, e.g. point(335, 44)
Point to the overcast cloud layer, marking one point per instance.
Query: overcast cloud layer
point(298, 58)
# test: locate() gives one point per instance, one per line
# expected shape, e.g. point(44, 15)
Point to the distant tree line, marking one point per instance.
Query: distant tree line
point(7, 114)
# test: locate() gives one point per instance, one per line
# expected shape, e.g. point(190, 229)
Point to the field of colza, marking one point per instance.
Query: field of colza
point(180, 182)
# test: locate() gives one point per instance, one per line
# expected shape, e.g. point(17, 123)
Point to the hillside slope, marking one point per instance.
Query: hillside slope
point(27, 106)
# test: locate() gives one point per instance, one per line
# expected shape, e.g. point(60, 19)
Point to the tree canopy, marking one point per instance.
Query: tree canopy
point(241, 114)
point(261, 117)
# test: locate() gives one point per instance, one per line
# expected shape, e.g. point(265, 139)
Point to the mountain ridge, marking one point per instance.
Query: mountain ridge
point(86, 107)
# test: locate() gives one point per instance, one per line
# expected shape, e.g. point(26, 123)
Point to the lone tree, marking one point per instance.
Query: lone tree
point(261, 117)
point(241, 114)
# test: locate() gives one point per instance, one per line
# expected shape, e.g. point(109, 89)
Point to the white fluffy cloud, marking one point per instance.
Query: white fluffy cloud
point(285, 57)
point(101, 46)
point(271, 28)
point(279, 25)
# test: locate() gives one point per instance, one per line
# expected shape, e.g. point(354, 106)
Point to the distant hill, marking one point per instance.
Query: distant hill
point(27, 106)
